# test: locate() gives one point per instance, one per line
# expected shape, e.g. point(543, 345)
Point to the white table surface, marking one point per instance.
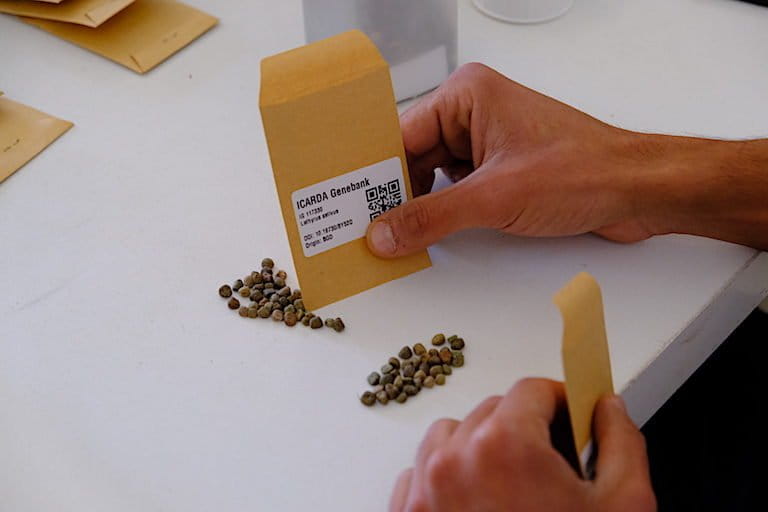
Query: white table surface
point(126, 384)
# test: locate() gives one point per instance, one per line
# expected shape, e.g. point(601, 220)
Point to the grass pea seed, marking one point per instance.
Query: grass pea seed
point(405, 352)
point(316, 322)
point(264, 312)
point(338, 325)
point(399, 382)
point(373, 378)
point(435, 371)
point(225, 291)
point(445, 355)
point(299, 303)
point(377, 388)
point(243, 311)
point(256, 276)
point(253, 312)
point(277, 315)
point(329, 322)
point(267, 263)
point(279, 282)
point(283, 301)
point(457, 360)
point(248, 281)
point(282, 274)
point(451, 338)
point(284, 291)
point(391, 391)
point(435, 360)
point(408, 370)
point(387, 368)
point(382, 397)
point(440, 379)
point(395, 362)
point(438, 339)
point(233, 303)
point(418, 382)
point(410, 390)
point(401, 398)
point(419, 349)
point(433, 352)
point(420, 375)
point(429, 382)
point(244, 291)
point(290, 318)
point(368, 398)
point(424, 367)
point(237, 284)
point(300, 314)
point(447, 370)
point(290, 308)
point(305, 320)
point(457, 344)
point(388, 378)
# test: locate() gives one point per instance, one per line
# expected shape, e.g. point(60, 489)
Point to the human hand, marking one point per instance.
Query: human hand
point(524, 163)
point(502, 458)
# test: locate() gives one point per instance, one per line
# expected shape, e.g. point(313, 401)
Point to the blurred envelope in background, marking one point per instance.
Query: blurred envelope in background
point(90, 13)
point(141, 36)
point(24, 132)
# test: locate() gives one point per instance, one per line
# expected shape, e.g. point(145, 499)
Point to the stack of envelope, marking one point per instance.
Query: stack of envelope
point(138, 34)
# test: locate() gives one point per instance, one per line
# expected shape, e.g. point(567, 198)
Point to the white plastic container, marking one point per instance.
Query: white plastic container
point(417, 37)
point(523, 11)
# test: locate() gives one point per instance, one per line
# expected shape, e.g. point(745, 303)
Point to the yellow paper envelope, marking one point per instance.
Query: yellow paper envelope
point(90, 13)
point(337, 155)
point(586, 361)
point(24, 132)
point(141, 36)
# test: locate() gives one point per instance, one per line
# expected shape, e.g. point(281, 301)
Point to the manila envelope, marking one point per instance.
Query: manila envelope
point(337, 155)
point(141, 36)
point(90, 13)
point(24, 132)
point(586, 361)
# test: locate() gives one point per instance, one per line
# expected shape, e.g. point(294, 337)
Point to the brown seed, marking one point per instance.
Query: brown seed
point(329, 322)
point(267, 263)
point(445, 355)
point(297, 294)
point(285, 291)
point(243, 311)
point(281, 274)
point(447, 370)
point(266, 277)
point(268, 271)
point(299, 303)
point(338, 325)
point(424, 367)
point(387, 368)
point(401, 398)
point(408, 370)
point(225, 291)
point(368, 398)
point(279, 282)
point(399, 382)
point(395, 362)
point(305, 320)
point(290, 318)
point(256, 276)
point(244, 291)
point(433, 352)
point(256, 296)
point(376, 389)
point(438, 339)
point(382, 397)
point(283, 301)
point(258, 286)
point(435, 361)
point(410, 390)
point(264, 312)
point(233, 303)
point(237, 284)
point(457, 360)
point(389, 378)
point(248, 281)
point(451, 338)
point(290, 308)
point(263, 301)
point(300, 314)
point(440, 379)
point(457, 344)
point(253, 312)
point(316, 322)
point(429, 382)
point(435, 371)
point(405, 352)
point(391, 391)
point(419, 375)
point(373, 378)
point(277, 315)
point(419, 349)
point(418, 382)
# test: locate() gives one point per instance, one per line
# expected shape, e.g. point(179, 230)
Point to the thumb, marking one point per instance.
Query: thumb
point(622, 474)
point(420, 222)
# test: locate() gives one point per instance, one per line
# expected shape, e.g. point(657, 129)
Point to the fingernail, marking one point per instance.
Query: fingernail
point(381, 238)
point(618, 402)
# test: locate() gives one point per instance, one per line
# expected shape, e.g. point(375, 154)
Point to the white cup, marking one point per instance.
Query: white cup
point(523, 11)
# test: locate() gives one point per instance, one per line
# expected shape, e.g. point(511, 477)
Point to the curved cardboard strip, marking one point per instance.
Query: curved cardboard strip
point(586, 361)
point(90, 13)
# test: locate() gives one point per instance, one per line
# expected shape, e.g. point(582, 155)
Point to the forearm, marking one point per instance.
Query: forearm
point(712, 188)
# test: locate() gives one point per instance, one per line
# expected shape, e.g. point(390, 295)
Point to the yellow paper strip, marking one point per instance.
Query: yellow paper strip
point(90, 13)
point(141, 36)
point(586, 361)
point(24, 132)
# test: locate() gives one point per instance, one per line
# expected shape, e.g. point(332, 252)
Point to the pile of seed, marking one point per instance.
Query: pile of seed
point(415, 368)
point(270, 297)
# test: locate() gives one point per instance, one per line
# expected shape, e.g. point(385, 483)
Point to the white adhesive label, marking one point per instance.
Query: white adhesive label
point(338, 210)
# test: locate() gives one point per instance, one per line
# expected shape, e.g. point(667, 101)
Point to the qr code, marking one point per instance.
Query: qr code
point(383, 197)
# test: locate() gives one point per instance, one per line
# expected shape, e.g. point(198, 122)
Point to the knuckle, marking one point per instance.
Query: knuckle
point(527, 385)
point(415, 218)
point(488, 441)
point(440, 469)
point(473, 71)
point(440, 426)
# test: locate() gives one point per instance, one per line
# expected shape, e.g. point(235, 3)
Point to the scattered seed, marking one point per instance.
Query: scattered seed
point(277, 315)
point(264, 311)
point(279, 282)
point(233, 303)
point(457, 344)
point(316, 322)
point(225, 291)
point(408, 370)
point(438, 339)
point(401, 398)
point(429, 382)
point(440, 379)
point(267, 263)
point(410, 390)
point(248, 281)
point(382, 397)
point(330, 322)
point(387, 368)
point(419, 375)
point(237, 284)
point(445, 355)
point(339, 325)
point(373, 378)
point(253, 312)
point(243, 311)
point(405, 352)
point(419, 349)
point(389, 378)
point(256, 296)
point(368, 398)
point(435, 371)
point(290, 318)
point(391, 391)
point(399, 382)
point(447, 370)
point(281, 274)
point(457, 360)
